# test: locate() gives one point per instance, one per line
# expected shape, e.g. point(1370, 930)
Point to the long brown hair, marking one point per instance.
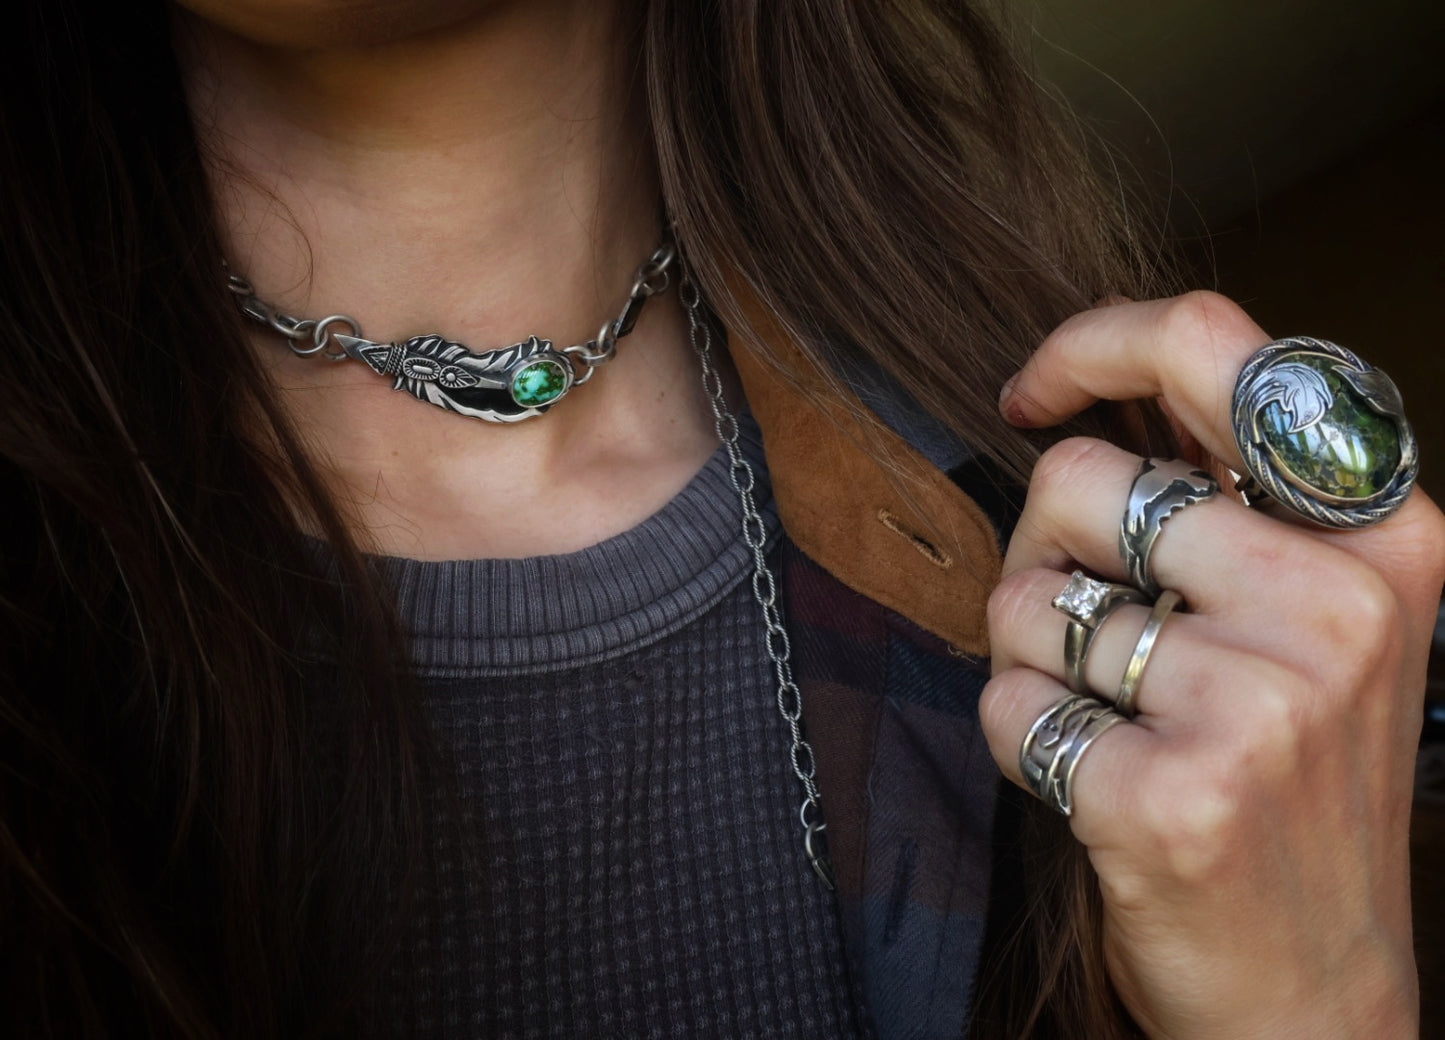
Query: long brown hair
point(209, 749)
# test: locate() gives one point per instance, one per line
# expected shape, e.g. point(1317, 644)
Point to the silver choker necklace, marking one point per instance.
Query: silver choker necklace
point(505, 385)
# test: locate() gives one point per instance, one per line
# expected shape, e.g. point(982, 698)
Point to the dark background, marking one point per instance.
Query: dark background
point(1300, 148)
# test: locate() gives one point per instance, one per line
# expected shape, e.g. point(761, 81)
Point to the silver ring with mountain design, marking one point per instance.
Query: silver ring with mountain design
point(1087, 603)
point(1056, 741)
point(1323, 433)
point(1161, 488)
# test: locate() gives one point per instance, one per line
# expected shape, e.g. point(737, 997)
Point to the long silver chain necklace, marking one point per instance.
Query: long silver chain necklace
point(505, 385)
point(765, 586)
point(524, 380)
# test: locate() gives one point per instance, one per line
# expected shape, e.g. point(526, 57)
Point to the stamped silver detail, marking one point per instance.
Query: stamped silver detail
point(1054, 744)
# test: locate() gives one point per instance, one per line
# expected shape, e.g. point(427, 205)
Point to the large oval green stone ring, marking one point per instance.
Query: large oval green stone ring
point(1323, 433)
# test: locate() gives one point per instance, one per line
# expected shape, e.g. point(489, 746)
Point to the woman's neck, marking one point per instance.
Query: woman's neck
point(484, 179)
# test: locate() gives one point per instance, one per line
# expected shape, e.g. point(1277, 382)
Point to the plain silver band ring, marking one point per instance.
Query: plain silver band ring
point(1134, 671)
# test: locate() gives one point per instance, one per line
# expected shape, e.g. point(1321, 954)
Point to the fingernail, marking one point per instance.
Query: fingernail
point(1003, 395)
point(1012, 410)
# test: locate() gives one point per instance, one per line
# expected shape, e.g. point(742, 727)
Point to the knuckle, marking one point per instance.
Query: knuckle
point(1204, 316)
point(1269, 734)
point(1203, 813)
point(1434, 547)
point(1192, 821)
point(1200, 840)
point(1204, 323)
point(1128, 890)
point(998, 705)
point(1434, 537)
point(1364, 627)
point(1374, 610)
point(1065, 465)
point(1014, 600)
point(991, 707)
point(1270, 709)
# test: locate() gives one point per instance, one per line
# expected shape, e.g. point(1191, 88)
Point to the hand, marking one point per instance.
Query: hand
point(1249, 828)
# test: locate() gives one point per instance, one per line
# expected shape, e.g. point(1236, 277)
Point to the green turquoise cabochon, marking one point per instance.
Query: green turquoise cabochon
point(1324, 433)
point(539, 382)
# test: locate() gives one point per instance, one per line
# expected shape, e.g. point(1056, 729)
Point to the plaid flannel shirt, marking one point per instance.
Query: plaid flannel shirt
point(910, 792)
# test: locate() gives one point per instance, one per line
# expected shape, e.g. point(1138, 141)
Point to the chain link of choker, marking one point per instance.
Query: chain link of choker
point(505, 385)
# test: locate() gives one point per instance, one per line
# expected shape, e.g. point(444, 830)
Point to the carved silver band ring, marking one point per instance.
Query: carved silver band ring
point(1323, 433)
point(1055, 743)
point(1161, 488)
point(1087, 603)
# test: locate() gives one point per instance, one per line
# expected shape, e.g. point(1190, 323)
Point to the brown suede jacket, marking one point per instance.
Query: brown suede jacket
point(872, 530)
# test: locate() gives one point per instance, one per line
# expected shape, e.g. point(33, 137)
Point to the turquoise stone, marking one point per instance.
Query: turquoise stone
point(539, 383)
point(1351, 452)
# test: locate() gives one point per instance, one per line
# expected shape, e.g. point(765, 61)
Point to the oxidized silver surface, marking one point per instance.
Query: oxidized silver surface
point(1275, 375)
point(459, 380)
point(789, 698)
point(449, 375)
point(1161, 488)
point(1059, 788)
point(1087, 602)
point(1036, 753)
point(1051, 749)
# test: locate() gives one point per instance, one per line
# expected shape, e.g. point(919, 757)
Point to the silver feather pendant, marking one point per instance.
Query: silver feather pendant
point(504, 385)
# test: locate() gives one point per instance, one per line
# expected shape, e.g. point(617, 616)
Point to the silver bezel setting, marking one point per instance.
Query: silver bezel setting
point(547, 356)
point(1277, 480)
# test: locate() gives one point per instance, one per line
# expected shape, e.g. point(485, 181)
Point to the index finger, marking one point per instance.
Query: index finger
point(1188, 350)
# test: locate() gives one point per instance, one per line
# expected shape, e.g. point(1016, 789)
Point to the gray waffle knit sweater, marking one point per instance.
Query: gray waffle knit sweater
point(620, 856)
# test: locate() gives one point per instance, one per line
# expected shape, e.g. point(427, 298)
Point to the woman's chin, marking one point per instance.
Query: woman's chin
point(319, 24)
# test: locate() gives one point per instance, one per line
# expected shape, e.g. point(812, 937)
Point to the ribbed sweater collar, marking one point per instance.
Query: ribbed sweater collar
point(542, 613)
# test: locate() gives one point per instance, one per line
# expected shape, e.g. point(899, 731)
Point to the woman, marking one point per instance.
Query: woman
point(328, 711)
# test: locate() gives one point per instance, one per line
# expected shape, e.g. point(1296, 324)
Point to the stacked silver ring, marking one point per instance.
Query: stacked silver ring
point(1087, 603)
point(1134, 670)
point(1056, 742)
point(1320, 432)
